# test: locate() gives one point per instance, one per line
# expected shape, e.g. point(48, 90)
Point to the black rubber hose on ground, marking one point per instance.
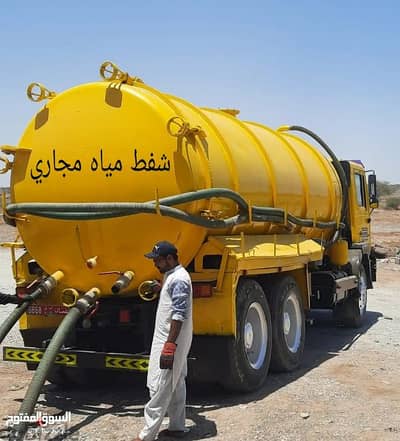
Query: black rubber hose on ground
point(84, 304)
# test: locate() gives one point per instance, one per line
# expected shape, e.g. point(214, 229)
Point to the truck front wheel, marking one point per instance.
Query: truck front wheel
point(250, 352)
point(352, 311)
point(288, 325)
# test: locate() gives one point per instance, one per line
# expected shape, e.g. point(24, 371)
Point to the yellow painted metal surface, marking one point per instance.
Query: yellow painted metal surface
point(109, 142)
point(246, 256)
point(360, 215)
point(339, 252)
point(270, 251)
point(216, 315)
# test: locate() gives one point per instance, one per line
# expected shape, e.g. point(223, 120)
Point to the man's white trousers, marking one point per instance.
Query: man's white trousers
point(165, 400)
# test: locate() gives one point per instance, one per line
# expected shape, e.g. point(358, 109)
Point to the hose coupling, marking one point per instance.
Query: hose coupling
point(46, 286)
point(87, 301)
point(149, 290)
point(122, 282)
point(69, 297)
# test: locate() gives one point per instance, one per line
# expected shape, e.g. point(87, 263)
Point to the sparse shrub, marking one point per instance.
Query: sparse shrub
point(393, 203)
point(384, 188)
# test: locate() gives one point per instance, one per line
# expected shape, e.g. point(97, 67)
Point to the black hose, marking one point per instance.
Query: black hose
point(336, 164)
point(44, 288)
point(10, 321)
point(98, 210)
point(5, 299)
point(83, 305)
point(135, 208)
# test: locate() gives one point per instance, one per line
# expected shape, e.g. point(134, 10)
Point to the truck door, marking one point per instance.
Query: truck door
point(359, 206)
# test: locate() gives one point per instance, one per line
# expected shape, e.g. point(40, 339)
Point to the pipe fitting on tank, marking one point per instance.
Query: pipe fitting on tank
point(87, 301)
point(123, 281)
point(46, 286)
point(69, 297)
point(149, 290)
point(91, 262)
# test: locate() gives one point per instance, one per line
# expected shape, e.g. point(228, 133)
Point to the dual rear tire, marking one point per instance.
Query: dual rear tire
point(270, 333)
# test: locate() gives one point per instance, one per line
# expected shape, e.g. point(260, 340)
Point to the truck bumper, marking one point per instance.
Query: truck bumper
point(80, 359)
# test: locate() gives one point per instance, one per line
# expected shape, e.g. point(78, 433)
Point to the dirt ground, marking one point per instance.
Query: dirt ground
point(385, 228)
point(348, 387)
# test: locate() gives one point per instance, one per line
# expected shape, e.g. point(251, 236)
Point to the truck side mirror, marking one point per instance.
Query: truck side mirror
point(373, 196)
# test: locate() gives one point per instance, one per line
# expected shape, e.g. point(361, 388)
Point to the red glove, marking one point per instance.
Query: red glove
point(167, 355)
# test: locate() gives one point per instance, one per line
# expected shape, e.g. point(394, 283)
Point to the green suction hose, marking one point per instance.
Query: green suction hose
point(45, 287)
point(104, 210)
point(82, 307)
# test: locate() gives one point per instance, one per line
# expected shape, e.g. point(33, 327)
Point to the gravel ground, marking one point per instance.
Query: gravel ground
point(348, 388)
point(7, 286)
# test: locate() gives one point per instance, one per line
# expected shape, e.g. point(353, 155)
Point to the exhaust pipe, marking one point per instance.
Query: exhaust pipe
point(82, 307)
point(44, 288)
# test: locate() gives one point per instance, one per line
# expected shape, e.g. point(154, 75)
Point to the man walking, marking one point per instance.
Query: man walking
point(170, 347)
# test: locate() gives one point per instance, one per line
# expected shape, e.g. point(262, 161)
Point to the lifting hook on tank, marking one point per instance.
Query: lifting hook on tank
point(8, 150)
point(183, 128)
point(37, 92)
point(109, 71)
point(7, 165)
point(179, 128)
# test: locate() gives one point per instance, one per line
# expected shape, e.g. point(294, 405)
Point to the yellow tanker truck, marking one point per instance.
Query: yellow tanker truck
point(268, 225)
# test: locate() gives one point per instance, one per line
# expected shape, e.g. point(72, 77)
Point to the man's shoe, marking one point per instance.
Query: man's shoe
point(172, 433)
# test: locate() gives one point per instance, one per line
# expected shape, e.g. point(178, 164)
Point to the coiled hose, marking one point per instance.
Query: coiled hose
point(101, 210)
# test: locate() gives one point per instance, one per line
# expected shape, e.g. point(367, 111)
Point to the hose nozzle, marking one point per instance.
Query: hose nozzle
point(123, 281)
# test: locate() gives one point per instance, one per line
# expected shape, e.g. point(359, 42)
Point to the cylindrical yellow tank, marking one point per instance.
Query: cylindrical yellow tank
point(109, 142)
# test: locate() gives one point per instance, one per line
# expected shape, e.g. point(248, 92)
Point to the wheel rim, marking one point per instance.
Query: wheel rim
point(292, 322)
point(255, 335)
point(362, 287)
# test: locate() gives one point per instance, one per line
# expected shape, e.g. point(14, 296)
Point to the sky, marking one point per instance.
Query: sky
point(332, 66)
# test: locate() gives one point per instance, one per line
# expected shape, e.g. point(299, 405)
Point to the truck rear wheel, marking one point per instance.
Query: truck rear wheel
point(250, 353)
point(352, 311)
point(288, 325)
